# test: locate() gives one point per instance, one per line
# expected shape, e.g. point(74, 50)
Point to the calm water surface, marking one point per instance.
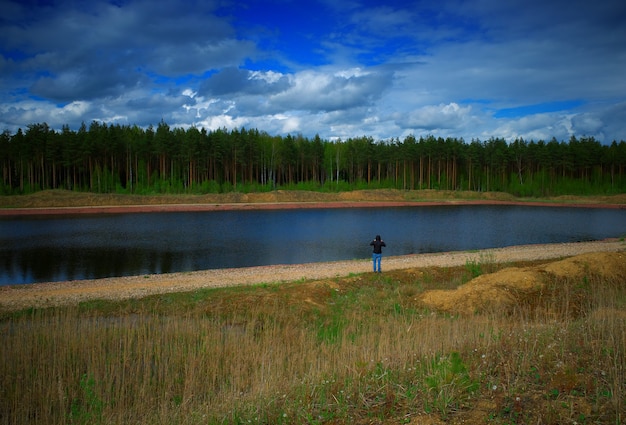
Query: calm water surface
point(42, 249)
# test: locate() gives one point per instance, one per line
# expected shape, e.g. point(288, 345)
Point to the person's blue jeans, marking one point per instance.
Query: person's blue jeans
point(376, 259)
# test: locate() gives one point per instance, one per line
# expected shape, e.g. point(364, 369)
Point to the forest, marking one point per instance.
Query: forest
point(128, 159)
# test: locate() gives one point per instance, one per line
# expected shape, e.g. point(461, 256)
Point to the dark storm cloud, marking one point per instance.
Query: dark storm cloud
point(87, 53)
point(84, 83)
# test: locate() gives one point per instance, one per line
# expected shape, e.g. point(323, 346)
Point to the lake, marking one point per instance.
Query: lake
point(57, 248)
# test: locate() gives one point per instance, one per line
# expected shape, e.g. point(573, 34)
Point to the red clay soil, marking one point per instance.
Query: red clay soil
point(125, 209)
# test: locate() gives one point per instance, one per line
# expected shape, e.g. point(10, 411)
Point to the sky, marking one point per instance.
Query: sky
point(534, 69)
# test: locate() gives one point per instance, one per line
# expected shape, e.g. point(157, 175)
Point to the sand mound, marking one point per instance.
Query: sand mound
point(609, 266)
point(490, 291)
point(503, 290)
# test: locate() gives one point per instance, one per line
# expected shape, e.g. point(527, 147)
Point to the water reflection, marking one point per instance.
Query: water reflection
point(37, 249)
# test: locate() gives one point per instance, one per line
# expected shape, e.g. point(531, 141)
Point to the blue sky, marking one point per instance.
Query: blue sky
point(340, 69)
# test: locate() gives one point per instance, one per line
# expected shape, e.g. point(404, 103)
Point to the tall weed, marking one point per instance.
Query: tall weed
point(357, 349)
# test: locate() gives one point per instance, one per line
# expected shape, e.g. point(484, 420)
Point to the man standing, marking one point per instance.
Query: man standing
point(377, 255)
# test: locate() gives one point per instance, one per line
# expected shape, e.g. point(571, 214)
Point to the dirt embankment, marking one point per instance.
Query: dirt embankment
point(506, 289)
point(67, 202)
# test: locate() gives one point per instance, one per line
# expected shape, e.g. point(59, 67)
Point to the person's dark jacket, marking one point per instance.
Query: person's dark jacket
point(378, 245)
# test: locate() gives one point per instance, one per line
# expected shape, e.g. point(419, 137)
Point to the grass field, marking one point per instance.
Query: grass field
point(354, 350)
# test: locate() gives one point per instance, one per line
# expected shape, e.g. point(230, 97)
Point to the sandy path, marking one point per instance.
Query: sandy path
point(62, 293)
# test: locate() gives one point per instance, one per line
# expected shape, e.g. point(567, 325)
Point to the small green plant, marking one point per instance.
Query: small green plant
point(484, 264)
point(447, 383)
point(88, 408)
point(473, 268)
point(330, 326)
point(330, 331)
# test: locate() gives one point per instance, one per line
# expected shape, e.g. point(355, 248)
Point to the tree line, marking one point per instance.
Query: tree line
point(129, 159)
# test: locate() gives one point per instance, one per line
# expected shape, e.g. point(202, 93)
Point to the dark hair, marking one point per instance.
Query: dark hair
point(377, 237)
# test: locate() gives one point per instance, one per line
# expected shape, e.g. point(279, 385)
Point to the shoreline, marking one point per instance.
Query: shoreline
point(238, 206)
point(50, 294)
point(15, 297)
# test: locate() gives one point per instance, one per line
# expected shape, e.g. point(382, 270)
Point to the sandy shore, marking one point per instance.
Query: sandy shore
point(127, 209)
point(63, 293)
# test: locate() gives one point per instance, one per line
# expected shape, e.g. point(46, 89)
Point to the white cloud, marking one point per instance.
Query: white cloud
point(317, 91)
point(270, 77)
point(290, 124)
point(586, 124)
point(385, 71)
point(535, 127)
point(221, 121)
point(437, 117)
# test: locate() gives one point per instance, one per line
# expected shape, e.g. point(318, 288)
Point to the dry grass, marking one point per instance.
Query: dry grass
point(359, 349)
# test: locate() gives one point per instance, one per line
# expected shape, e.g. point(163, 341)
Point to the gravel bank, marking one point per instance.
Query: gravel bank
point(64, 293)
